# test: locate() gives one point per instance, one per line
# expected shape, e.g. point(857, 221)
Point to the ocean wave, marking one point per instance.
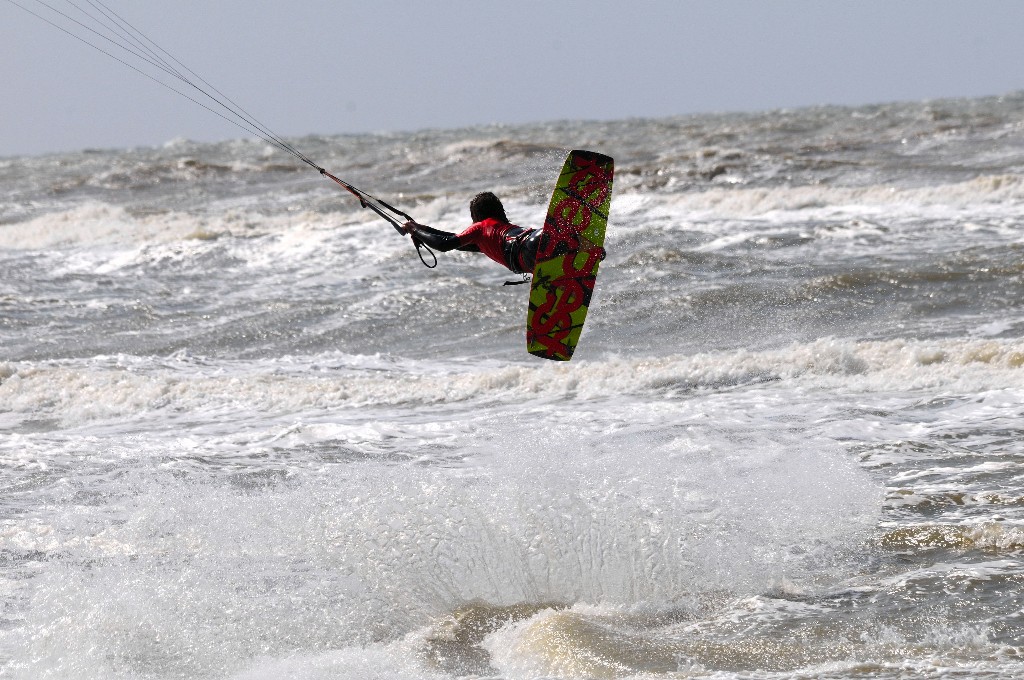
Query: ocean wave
point(1002, 194)
point(996, 537)
point(839, 214)
point(100, 389)
point(745, 637)
point(955, 271)
point(96, 224)
point(496, 149)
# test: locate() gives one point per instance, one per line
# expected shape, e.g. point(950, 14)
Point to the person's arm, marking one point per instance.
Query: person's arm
point(441, 241)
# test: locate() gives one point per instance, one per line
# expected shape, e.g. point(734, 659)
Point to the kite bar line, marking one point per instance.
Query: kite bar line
point(381, 208)
point(95, 24)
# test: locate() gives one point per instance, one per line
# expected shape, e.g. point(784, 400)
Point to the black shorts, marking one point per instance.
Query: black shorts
point(523, 255)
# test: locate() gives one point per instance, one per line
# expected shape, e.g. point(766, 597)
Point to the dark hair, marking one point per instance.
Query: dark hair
point(486, 205)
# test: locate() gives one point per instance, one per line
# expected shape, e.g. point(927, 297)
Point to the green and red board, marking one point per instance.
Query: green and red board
point(569, 254)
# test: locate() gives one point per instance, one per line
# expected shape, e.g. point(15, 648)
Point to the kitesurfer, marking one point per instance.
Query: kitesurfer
point(491, 233)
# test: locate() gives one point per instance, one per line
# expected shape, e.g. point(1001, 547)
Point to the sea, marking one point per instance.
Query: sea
point(246, 435)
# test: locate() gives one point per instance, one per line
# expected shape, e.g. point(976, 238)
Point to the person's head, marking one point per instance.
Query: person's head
point(486, 205)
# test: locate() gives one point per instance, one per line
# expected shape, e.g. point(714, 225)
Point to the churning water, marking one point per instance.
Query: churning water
point(245, 434)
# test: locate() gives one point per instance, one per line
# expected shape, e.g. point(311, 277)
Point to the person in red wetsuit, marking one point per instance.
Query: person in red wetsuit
point(491, 233)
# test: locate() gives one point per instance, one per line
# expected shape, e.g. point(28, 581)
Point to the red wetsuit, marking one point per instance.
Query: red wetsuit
point(490, 236)
point(507, 244)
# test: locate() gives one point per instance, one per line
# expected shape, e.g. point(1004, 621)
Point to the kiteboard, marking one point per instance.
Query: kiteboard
point(569, 253)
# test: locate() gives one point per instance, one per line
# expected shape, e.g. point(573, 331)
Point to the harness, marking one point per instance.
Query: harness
point(517, 243)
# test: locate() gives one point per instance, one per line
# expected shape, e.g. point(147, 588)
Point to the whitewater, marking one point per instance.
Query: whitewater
point(245, 434)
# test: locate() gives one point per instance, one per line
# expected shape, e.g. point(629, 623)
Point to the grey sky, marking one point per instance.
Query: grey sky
point(336, 66)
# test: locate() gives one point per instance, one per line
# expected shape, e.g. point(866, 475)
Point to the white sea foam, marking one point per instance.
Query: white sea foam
point(98, 224)
point(395, 661)
point(308, 558)
point(1000, 194)
point(116, 388)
